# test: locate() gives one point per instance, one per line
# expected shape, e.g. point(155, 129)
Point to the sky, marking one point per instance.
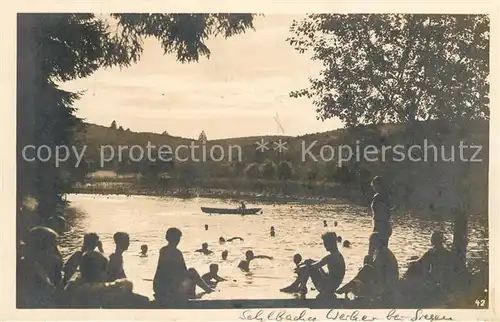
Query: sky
point(237, 92)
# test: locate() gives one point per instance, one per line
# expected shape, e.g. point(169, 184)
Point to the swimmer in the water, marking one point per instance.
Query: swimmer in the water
point(206, 227)
point(224, 254)
point(144, 250)
point(204, 249)
point(294, 287)
point(335, 223)
point(339, 239)
point(222, 240)
point(325, 224)
point(273, 232)
point(244, 265)
point(346, 244)
point(212, 278)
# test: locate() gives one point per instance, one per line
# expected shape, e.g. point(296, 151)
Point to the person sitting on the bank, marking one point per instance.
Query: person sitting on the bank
point(204, 249)
point(222, 240)
point(325, 283)
point(294, 287)
point(90, 242)
point(212, 278)
point(38, 271)
point(90, 289)
point(224, 254)
point(115, 268)
point(58, 224)
point(436, 263)
point(244, 265)
point(144, 250)
point(379, 275)
point(173, 281)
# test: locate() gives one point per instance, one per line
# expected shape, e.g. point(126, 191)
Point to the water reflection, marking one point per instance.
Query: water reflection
point(298, 230)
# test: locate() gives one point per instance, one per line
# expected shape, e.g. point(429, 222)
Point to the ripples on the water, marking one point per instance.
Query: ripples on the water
point(298, 230)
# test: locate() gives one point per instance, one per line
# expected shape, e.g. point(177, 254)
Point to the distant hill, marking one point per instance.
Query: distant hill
point(423, 184)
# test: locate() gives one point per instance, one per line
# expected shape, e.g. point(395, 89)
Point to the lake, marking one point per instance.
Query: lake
point(298, 230)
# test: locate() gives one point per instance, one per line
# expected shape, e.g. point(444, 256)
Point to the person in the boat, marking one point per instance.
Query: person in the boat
point(294, 287)
point(244, 265)
point(381, 208)
point(144, 250)
point(91, 290)
point(379, 275)
point(37, 278)
point(325, 283)
point(115, 268)
point(212, 278)
point(243, 206)
point(272, 232)
point(224, 255)
point(325, 224)
point(173, 281)
point(222, 240)
point(204, 249)
point(90, 242)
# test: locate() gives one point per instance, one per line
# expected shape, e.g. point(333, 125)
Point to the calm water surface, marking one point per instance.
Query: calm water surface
point(298, 230)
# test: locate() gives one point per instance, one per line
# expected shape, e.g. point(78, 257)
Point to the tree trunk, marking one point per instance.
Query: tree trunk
point(460, 240)
point(27, 91)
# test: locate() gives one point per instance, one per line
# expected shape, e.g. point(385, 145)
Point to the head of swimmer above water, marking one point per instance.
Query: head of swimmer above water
point(222, 240)
point(297, 258)
point(224, 254)
point(249, 255)
point(144, 249)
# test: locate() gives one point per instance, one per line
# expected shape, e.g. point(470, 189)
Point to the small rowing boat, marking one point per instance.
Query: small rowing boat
point(230, 211)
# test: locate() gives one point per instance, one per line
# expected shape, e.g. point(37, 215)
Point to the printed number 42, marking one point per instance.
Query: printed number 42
point(480, 302)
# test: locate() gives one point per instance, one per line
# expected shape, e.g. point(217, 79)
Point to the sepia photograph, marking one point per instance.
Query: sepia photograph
point(253, 161)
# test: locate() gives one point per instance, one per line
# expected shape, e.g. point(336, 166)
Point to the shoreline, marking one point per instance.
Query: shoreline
point(265, 198)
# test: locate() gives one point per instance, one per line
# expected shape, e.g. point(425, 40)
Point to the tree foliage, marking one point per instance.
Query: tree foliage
point(269, 170)
point(396, 67)
point(285, 170)
point(61, 47)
